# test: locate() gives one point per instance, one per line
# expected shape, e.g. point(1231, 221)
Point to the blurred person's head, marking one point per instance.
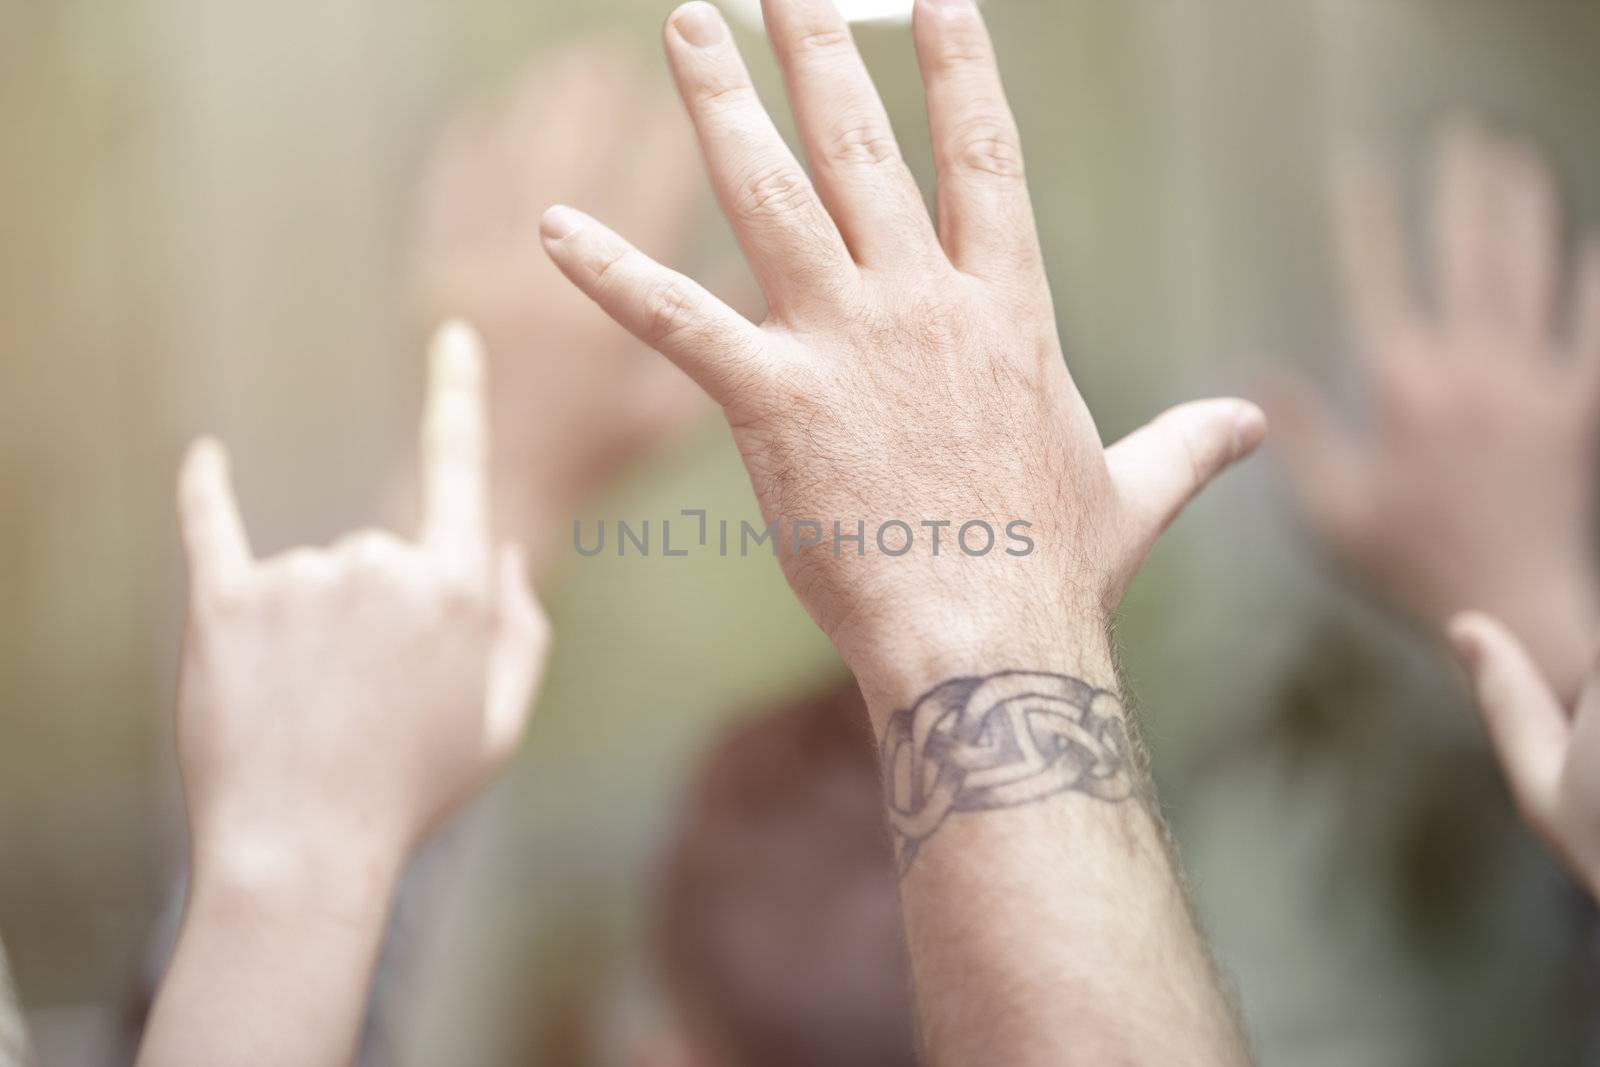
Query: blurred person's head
point(777, 929)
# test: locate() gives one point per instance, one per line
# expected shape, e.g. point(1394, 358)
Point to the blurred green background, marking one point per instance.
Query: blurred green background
point(204, 216)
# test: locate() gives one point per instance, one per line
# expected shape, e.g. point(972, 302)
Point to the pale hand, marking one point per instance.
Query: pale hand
point(907, 370)
point(334, 706)
point(346, 701)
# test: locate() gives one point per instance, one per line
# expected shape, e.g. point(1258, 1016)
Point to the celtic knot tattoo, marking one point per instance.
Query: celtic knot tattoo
point(1000, 741)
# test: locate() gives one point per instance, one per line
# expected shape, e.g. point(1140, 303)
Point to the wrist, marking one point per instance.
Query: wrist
point(896, 668)
point(275, 880)
point(275, 954)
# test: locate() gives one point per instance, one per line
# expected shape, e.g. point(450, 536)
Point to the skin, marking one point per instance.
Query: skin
point(577, 401)
point(14, 1049)
point(562, 429)
point(1549, 750)
point(1474, 486)
point(910, 368)
point(335, 707)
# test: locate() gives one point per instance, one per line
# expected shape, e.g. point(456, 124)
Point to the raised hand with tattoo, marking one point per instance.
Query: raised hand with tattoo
point(335, 707)
point(907, 390)
point(1475, 486)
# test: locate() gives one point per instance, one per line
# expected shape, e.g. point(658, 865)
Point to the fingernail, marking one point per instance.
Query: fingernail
point(949, 7)
point(700, 24)
point(1249, 428)
point(560, 221)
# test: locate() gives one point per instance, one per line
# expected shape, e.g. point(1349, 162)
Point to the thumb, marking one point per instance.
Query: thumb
point(1159, 467)
point(1526, 723)
point(517, 656)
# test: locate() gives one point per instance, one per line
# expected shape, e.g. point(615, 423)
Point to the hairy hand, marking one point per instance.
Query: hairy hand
point(1549, 750)
point(340, 703)
point(1476, 483)
point(576, 399)
point(909, 370)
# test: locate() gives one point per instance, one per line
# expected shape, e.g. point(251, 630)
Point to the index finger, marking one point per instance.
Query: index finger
point(213, 534)
point(1468, 231)
point(455, 449)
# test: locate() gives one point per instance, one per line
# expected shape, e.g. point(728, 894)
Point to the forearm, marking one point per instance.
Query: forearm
point(1045, 918)
point(273, 965)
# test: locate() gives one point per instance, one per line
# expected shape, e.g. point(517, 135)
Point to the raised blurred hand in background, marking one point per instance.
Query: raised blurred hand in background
point(336, 706)
point(575, 400)
point(1473, 483)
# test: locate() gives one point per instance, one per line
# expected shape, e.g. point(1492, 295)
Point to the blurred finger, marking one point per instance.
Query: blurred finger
point(717, 347)
point(1466, 230)
point(376, 549)
point(1532, 212)
point(464, 204)
point(302, 568)
point(790, 240)
point(656, 203)
point(213, 534)
point(1526, 724)
point(455, 450)
point(1162, 465)
point(554, 124)
point(985, 215)
point(517, 658)
point(1586, 308)
point(859, 171)
point(1371, 242)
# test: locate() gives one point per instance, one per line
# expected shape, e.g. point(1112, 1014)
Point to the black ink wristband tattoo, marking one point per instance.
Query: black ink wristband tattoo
point(1000, 741)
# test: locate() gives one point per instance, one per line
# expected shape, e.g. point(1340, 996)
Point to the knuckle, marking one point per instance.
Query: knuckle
point(748, 386)
point(607, 265)
point(222, 601)
point(670, 311)
point(776, 194)
point(303, 567)
point(1194, 456)
point(719, 96)
point(829, 40)
point(374, 550)
point(864, 143)
point(990, 148)
point(940, 324)
point(461, 598)
point(958, 51)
